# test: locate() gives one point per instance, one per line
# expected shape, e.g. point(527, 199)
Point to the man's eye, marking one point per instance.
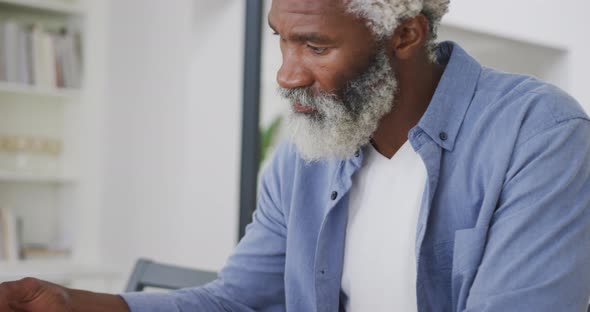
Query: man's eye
point(317, 50)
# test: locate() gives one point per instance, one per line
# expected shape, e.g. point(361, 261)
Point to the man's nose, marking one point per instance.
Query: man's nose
point(293, 74)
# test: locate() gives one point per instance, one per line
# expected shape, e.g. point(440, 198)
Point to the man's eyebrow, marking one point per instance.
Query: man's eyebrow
point(304, 37)
point(310, 37)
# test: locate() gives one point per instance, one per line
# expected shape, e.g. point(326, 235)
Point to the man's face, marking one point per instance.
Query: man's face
point(337, 78)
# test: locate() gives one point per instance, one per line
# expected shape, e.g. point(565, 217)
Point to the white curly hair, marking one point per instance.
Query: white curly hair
point(384, 16)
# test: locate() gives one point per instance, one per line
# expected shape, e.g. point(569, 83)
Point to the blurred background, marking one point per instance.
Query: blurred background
point(121, 122)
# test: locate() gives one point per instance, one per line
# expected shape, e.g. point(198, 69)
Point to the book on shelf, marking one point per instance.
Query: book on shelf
point(33, 55)
point(12, 247)
point(43, 252)
point(10, 234)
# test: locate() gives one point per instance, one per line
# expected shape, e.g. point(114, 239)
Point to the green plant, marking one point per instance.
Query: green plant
point(268, 137)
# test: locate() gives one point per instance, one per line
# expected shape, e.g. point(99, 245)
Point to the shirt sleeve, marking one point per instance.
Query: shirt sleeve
point(537, 256)
point(253, 277)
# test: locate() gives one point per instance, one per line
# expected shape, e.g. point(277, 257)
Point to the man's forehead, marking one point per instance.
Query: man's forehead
point(309, 6)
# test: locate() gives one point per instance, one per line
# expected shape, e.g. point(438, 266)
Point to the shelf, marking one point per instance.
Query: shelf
point(20, 89)
point(59, 7)
point(6, 176)
point(53, 270)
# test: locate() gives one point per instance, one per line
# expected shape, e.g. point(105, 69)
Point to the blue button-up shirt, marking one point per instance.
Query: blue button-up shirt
point(504, 223)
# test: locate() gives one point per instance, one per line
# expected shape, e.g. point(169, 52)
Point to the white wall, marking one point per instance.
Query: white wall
point(549, 23)
point(173, 121)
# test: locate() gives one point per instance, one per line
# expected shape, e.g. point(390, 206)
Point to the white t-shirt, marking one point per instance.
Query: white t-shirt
point(379, 271)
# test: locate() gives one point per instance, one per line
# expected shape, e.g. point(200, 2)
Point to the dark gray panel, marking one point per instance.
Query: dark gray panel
point(250, 113)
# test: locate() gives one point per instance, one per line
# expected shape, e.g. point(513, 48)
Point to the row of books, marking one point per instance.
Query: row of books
point(12, 247)
point(30, 54)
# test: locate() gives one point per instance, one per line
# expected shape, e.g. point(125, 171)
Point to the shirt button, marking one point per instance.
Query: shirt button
point(334, 195)
point(443, 136)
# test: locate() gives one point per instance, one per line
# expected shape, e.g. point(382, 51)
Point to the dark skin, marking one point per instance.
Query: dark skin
point(323, 47)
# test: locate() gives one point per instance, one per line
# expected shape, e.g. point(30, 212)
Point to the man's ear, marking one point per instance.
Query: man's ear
point(410, 37)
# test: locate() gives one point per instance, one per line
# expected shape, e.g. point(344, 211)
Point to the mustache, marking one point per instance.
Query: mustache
point(305, 95)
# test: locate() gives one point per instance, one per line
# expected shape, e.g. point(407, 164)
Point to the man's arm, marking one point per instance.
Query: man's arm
point(537, 256)
point(85, 301)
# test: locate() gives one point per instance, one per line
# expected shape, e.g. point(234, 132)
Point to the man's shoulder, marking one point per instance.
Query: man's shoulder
point(532, 104)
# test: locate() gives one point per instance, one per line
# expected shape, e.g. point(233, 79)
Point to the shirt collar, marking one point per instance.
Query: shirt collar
point(446, 111)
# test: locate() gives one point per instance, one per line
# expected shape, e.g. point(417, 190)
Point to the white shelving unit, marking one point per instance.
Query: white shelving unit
point(58, 209)
point(12, 177)
point(57, 271)
point(30, 90)
point(47, 6)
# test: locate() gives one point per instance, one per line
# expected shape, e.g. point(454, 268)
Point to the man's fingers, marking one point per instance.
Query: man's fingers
point(19, 291)
point(4, 303)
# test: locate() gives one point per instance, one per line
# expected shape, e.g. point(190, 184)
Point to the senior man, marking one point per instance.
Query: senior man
point(415, 180)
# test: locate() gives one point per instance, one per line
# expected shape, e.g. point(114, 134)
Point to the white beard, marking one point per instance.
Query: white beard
point(340, 127)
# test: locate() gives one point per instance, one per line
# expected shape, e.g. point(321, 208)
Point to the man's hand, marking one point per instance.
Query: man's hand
point(33, 295)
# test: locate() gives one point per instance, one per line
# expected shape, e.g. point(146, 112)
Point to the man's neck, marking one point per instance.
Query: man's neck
point(416, 87)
